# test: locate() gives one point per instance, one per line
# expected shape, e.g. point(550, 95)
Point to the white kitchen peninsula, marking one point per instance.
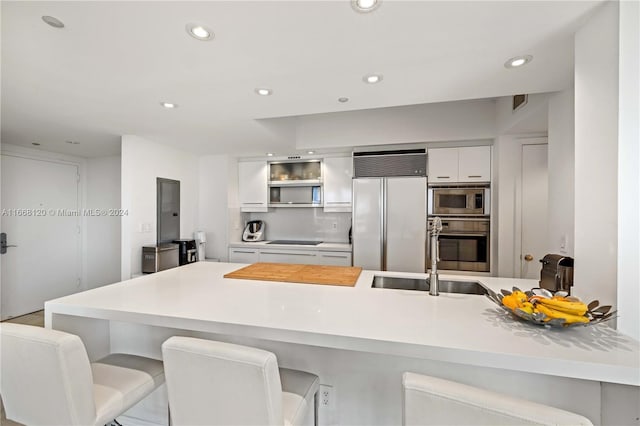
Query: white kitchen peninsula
point(360, 339)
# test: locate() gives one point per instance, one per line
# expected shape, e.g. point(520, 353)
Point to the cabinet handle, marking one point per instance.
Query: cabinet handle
point(285, 254)
point(253, 203)
point(247, 252)
point(444, 177)
point(334, 255)
point(474, 176)
point(337, 202)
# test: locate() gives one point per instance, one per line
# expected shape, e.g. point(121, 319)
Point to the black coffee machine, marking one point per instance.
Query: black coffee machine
point(187, 251)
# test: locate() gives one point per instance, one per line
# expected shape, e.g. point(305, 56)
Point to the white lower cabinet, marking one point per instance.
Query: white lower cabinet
point(243, 255)
point(289, 256)
point(334, 258)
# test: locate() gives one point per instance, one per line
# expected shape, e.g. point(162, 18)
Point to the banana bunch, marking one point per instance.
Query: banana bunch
point(570, 310)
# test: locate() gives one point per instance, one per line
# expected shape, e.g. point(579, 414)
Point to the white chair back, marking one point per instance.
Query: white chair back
point(433, 401)
point(45, 377)
point(216, 383)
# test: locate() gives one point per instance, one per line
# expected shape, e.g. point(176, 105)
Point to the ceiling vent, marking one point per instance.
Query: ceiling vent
point(294, 157)
point(519, 101)
point(411, 162)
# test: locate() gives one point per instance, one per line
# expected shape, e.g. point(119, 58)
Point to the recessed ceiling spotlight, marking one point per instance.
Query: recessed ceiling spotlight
point(518, 61)
point(269, 154)
point(54, 22)
point(35, 144)
point(263, 91)
point(169, 105)
point(343, 100)
point(365, 6)
point(199, 32)
point(73, 142)
point(372, 78)
point(311, 152)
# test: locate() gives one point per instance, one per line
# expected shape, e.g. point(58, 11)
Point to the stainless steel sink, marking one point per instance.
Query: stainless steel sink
point(446, 286)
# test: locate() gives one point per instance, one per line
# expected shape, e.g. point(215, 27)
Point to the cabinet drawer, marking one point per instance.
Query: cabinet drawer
point(334, 258)
point(242, 255)
point(289, 256)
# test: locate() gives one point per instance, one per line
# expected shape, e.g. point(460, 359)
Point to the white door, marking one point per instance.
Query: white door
point(534, 209)
point(406, 224)
point(367, 223)
point(41, 217)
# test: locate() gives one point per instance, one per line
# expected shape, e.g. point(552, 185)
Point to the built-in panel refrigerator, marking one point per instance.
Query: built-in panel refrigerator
point(390, 223)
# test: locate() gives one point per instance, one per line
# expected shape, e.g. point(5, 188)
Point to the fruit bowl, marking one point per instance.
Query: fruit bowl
point(542, 307)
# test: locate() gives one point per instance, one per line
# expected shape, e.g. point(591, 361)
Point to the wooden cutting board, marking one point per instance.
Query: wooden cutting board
point(295, 273)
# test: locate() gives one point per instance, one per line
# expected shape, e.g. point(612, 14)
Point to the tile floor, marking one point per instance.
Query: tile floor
point(37, 319)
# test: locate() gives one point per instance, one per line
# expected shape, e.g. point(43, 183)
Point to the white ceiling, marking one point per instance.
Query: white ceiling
point(106, 72)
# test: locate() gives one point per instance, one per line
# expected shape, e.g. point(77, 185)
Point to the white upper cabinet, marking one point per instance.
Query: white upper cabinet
point(338, 172)
point(252, 186)
point(464, 164)
point(474, 164)
point(443, 165)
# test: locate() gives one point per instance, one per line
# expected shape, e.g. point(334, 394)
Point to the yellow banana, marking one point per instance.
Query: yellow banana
point(572, 308)
point(552, 313)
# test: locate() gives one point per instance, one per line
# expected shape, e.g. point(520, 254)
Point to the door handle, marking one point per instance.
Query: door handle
point(528, 257)
point(3, 243)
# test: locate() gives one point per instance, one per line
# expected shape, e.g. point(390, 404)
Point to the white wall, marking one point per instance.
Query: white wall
point(629, 171)
point(596, 155)
point(142, 162)
point(448, 121)
point(561, 173)
point(103, 232)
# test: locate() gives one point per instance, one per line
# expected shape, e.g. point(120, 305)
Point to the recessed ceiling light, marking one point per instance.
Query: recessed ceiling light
point(263, 91)
point(54, 22)
point(169, 105)
point(311, 152)
point(269, 154)
point(343, 100)
point(73, 142)
point(35, 143)
point(372, 78)
point(199, 32)
point(364, 6)
point(518, 61)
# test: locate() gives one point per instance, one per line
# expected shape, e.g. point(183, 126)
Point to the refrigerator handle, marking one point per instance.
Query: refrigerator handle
point(383, 242)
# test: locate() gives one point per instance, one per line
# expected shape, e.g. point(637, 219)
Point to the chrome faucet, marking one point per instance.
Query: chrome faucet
point(436, 228)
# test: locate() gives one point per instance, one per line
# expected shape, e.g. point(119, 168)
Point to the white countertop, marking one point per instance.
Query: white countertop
point(265, 245)
point(456, 328)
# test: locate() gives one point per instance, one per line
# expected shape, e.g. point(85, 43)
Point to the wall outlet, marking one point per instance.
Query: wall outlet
point(564, 240)
point(326, 405)
point(334, 225)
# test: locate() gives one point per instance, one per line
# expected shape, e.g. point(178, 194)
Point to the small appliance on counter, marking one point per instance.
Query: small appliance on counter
point(159, 257)
point(556, 273)
point(254, 231)
point(201, 242)
point(187, 251)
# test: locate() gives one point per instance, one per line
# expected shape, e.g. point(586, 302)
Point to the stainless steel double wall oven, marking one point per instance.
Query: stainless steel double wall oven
point(465, 212)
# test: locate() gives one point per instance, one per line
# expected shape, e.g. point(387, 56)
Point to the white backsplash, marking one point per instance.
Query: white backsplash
point(303, 223)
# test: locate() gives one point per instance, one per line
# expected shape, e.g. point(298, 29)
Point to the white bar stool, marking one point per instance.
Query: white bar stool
point(47, 379)
point(215, 383)
point(432, 401)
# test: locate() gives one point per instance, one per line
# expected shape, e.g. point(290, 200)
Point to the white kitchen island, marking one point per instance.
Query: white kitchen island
point(360, 339)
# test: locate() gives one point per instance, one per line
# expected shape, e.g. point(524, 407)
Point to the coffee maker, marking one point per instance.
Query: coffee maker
point(186, 251)
point(254, 231)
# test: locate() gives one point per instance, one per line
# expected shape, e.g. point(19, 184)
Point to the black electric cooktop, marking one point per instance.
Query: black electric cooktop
point(296, 242)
